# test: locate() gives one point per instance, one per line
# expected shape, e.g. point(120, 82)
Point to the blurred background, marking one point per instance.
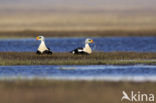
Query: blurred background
point(68, 15)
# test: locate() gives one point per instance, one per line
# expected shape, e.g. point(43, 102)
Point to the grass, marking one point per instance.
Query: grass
point(104, 18)
point(97, 58)
point(85, 33)
point(51, 91)
point(78, 21)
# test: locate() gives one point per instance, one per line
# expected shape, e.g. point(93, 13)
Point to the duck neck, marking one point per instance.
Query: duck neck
point(86, 45)
point(42, 42)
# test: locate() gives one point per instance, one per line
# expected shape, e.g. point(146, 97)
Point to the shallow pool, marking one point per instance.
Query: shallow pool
point(105, 44)
point(81, 72)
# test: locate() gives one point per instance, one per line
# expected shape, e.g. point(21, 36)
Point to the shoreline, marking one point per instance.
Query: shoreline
point(81, 33)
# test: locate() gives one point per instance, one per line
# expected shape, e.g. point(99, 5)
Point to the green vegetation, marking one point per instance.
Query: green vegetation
point(51, 91)
point(97, 58)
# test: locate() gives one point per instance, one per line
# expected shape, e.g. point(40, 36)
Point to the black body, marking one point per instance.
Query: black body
point(76, 51)
point(45, 52)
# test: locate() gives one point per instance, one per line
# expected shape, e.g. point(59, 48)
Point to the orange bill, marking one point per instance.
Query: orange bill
point(37, 38)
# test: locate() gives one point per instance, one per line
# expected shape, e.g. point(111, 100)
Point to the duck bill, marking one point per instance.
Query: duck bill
point(92, 41)
point(37, 38)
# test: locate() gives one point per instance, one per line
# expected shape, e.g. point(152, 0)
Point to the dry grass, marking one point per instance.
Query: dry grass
point(47, 91)
point(97, 58)
point(77, 21)
point(23, 34)
point(78, 15)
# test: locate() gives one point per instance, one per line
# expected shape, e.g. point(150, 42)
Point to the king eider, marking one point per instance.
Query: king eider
point(85, 50)
point(42, 49)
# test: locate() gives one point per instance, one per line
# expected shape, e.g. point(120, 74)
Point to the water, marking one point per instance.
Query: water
point(84, 72)
point(105, 44)
point(81, 72)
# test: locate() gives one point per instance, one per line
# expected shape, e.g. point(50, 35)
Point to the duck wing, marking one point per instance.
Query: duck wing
point(48, 48)
point(47, 52)
point(78, 51)
point(44, 52)
point(38, 52)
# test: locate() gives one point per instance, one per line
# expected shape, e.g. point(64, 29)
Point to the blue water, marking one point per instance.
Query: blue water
point(105, 44)
point(83, 72)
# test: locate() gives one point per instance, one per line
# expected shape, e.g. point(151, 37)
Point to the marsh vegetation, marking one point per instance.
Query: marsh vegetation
point(81, 33)
point(97, 58)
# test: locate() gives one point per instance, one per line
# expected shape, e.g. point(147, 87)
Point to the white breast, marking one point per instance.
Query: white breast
point(42, 47)
point(87, 49)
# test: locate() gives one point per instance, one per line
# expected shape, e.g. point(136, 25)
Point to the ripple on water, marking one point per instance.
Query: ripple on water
point(81, 72)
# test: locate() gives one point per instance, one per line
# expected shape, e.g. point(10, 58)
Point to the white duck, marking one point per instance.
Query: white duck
point(42, 49)
point(86, 50)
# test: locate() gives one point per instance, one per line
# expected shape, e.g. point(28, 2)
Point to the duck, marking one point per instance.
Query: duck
point(86, 50)
point(43, 49)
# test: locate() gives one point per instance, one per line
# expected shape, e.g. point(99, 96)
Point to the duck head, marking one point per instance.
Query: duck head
point(87, 41)
point(40, 38)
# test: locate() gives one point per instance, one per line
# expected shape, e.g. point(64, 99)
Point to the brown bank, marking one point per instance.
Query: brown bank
point(50, 91)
